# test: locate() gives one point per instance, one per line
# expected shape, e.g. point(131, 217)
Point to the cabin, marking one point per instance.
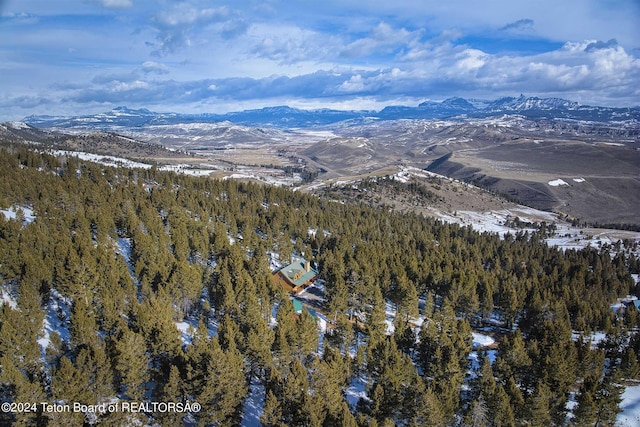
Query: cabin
point(624, 304)
point(296, 276)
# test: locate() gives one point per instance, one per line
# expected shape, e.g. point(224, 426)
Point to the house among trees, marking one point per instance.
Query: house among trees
point(296, 276)
point(623, 304)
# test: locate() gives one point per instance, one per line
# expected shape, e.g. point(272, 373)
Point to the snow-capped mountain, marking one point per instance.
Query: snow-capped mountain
point(523, 103)
point(287, 117)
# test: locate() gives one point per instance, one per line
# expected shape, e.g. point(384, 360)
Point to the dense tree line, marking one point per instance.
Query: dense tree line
point(199, 250)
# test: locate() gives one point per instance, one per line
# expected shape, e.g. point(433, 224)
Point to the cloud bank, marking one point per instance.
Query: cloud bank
point(192, 56)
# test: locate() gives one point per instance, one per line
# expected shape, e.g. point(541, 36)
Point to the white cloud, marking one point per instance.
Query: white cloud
point(125, 86)
point(154, 67)
point(334, 51)
point(183, 14)
point(117, 4)
point(470, 59)
point(354, 84)
point(177, 27)
point(382, 39)
point(294, 50)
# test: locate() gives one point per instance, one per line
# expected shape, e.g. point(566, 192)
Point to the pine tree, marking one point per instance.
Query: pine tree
point(173, 391)
point(18, 340)
point(513, 360)
point(70, 385)
point(18, 387)
point(345, 418)
point(429, 411)
point(608, 398)
point(154, 319)
point(403, 293)
point(95, 364)
point(285, 334)
point(327, 380)
point(539, 407)
point(296, 404)
point(272, 411)
point(486, 381)
point(260, 339)
point(406, 338)
point(500, 409)
point(516, 399)
point(629, 365)
point(478, 415)
point(586, 411)
point(229, 333)
point(132, 364)
point(307, 334)
point(223, 388)
point(342, 334)
point(376, 320)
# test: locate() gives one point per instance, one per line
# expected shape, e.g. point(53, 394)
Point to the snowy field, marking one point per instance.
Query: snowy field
point(187, 170)
point(630, 405)
point(495, 221)
point(566, 235)
point(126, 163)
point(101, 159)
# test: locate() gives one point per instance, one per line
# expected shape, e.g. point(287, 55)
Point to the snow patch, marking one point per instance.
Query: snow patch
point(595, 338)
point(122, 162)
point(390, 312)
point(186, 332)
point(630, 406)
point(101, 159)
point(253, 406)
point(7, 298)
point(481, 340)
point(188, 327)
point(56, 320)
point(19, 125)
point(357, 390)
point(124, 249)
point(12, 214)
point(186, 169)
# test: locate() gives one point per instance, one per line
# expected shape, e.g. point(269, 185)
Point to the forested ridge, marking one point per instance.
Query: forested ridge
point(200, 249)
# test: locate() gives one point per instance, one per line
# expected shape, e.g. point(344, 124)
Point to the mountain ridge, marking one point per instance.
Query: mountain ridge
point(285, 116)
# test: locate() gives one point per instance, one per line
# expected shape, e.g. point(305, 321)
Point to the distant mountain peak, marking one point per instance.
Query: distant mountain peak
point(17, 125)
point(524, 103)
point(123, 109)
point(283, 116)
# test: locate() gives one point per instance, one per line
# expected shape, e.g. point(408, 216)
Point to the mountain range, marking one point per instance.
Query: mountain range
point(288, 117)
point(519, 146)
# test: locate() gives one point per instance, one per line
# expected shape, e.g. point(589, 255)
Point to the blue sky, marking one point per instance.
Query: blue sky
point(85, 56)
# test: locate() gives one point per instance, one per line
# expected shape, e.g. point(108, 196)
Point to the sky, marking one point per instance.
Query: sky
point(74, 57)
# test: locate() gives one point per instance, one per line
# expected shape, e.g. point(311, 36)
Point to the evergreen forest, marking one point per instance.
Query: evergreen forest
point(84, 320)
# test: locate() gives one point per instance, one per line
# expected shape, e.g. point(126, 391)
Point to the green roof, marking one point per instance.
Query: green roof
point(297, 274)
point(297, 306)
